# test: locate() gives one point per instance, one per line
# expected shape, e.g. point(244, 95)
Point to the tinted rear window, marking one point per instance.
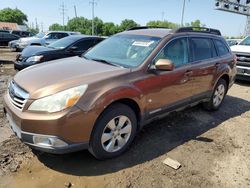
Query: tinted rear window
point(203, 48)
point(221, 47)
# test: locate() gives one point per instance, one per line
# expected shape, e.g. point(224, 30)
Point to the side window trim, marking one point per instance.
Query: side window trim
point(192, 50)
point(167, 43)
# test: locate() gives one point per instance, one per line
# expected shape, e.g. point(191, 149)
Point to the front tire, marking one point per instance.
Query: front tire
point(113, 132)
point(217, 97)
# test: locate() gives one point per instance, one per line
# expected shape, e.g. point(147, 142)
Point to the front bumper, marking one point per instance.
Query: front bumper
point(72, 127)
point(21, 46)
point(28, 139)
point(20, 66)
point(243, 73)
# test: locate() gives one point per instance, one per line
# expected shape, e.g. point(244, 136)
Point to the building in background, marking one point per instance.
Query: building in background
point(12, 26)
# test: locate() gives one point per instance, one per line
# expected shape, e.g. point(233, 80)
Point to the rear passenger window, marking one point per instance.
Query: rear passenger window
point(203, 48)
point(221, 48)
point(84, 44)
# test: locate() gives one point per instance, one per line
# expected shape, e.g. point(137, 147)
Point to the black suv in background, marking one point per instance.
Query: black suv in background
point(22, 33)
point(6, 37)
point(74, 45)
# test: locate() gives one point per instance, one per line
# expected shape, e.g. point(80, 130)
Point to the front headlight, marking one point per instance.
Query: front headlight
point(34, 58)
point(59, 101)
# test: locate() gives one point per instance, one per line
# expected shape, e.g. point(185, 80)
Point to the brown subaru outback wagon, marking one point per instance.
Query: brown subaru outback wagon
point(101, 100)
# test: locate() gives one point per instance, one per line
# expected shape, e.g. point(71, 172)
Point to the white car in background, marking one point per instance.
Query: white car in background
point(42, 39)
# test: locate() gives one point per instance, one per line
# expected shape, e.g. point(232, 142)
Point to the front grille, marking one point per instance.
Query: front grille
point(17, 96)
point(243, 59)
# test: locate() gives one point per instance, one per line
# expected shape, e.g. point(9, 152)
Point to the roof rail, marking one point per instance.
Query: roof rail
point(198, 29)
point(145, 27)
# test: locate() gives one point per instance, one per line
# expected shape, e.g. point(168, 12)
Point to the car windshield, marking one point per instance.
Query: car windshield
point(40, 35)
point(246, 41)
point(123, 50)
point(62, 43)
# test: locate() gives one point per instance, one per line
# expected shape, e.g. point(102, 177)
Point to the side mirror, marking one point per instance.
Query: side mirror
point(73, 49)
point(164, 65)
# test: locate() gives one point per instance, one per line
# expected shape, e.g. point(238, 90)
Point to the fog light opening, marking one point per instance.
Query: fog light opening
point(47, 141)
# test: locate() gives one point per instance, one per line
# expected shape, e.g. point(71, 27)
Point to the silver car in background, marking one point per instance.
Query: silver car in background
point(43, 39)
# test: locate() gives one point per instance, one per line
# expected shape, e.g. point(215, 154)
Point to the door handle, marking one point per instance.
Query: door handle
point(217, 65)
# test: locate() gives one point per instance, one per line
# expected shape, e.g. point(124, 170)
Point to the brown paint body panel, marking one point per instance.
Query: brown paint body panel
point(151, 91)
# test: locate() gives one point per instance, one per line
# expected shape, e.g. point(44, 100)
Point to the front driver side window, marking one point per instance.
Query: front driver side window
point(176, 51)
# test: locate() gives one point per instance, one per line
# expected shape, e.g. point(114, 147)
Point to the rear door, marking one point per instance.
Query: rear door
point(204, 66)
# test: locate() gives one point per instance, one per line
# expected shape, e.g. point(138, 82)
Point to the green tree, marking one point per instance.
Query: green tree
point(109, 28)
point(56, 27)
point(13, 15)
point(98, 26)
point(159, 23)
point(196, 23)
point(127, 24)
point(80, 24)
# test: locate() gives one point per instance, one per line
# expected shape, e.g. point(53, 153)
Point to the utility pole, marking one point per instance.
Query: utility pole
point(63, 11)
point(93, 3)
point(75, 11)
point(37, 28)
point(162, 16)
point(41, 26)
point(183, 12)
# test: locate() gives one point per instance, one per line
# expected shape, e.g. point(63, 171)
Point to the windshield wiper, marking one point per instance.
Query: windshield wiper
point(106, 62)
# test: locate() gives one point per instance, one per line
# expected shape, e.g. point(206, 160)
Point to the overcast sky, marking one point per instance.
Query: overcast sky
point(142, 11)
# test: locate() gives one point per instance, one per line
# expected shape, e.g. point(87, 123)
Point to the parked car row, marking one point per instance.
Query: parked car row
point(100, 100)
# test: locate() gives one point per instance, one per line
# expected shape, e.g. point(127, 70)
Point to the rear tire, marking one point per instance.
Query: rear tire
point(217, 97)
point(113, 132)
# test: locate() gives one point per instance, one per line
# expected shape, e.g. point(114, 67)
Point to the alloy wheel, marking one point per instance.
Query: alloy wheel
point(219, 95)
point(116, 134)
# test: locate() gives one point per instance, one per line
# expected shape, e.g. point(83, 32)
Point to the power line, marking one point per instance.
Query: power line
point(93, 4)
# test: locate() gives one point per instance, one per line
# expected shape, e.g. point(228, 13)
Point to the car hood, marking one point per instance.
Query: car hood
point(31, 40)
point(34, 50)
point(51, 77)
point(28, 39)
point(241, 48)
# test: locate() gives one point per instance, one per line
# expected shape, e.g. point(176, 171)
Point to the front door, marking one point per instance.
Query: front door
point(168, 90)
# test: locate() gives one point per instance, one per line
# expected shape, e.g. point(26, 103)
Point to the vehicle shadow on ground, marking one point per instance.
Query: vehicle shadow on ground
point(153, 141)
point(5, 62)
point(242, 82)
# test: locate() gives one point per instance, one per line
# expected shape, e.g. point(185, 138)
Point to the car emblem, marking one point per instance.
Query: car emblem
point(241, 58)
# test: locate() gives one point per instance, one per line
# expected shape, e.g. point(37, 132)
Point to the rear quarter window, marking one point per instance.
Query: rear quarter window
point(221, 47)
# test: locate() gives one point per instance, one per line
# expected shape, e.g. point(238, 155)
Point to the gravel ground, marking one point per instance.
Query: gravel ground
point(212, 147)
